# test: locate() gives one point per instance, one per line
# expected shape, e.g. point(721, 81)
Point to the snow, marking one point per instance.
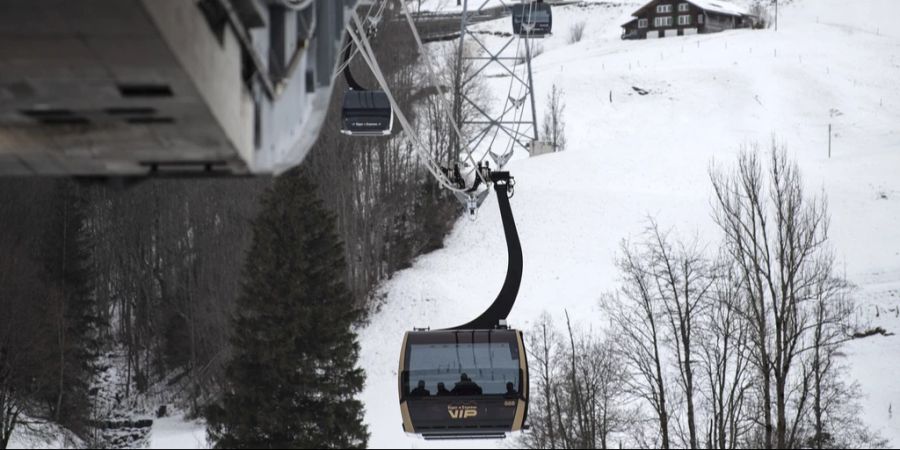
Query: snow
point(643, 156)
point(174, 431)
point(43, 435)
point(719, 6)
point(178, 432)
point(875, 361)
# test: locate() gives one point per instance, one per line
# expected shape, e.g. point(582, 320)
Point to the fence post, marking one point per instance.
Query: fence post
point(829, 141)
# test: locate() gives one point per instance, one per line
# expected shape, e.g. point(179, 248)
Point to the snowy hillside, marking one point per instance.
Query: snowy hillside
point(633, 155)
point(648, 155)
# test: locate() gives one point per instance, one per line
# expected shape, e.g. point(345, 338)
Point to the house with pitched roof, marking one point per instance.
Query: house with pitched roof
point(666, 18)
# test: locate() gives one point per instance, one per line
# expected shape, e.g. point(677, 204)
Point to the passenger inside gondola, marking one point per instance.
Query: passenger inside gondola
point(488, 364)
point(442, 390)
point(511, 391)
point(466, 386)
point(420, 391)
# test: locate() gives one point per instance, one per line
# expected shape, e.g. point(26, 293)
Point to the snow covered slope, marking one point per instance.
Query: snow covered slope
point(648, 155)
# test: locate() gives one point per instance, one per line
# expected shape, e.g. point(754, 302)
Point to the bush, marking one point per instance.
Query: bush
point(763, 17)
point(537, 49)
point(576, 32)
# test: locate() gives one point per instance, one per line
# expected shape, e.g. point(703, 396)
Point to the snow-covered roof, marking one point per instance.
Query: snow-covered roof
point(720, 6)
point(716, 6)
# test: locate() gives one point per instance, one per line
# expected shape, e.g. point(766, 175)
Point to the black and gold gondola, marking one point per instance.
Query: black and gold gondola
point(471, 381)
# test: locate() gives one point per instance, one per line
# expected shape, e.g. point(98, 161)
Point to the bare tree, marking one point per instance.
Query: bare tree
point(760, 10)
point(26, 336)
point(14, 355)
point(580, 399)
point(724, 361)
point(389, 209)
point(554, 127)
point(601, 375)
point(637, 314)
point(752, 338)
point(543, 351)
point(831, 425)
point(777, 238)
point(681, 280)
point(468, 95)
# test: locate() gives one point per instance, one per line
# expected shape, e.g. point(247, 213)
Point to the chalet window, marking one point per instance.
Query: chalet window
point(700, 19)
point(642, 23)
point(662, 22)
point(683, 7)
point(663, 8)
point(684, 20)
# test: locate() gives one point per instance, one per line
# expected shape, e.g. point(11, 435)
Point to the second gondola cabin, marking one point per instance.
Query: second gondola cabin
point(366, 113)
point(463, 384)
point(533, 19)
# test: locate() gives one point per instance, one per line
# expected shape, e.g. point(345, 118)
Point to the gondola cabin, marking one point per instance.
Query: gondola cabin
point(366, 113)
point(463, 384)
point(532, 19)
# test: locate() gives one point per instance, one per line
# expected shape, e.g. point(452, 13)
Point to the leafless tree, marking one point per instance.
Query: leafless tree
point(29, 354)
point(554, 127)
point(14, 356)
point(467, 93)
point(640, 322)
point(580, 397)
point(388, 208)
point(601, 375)
point(777, 237)
point(760, 11)
point(681, 280)
point(750, 338)
point(544, 344)
point(724, 360)
point(669, 286)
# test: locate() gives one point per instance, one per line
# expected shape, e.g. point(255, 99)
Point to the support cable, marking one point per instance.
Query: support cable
point(365, 51)
point(436, 81)
point(376, 18)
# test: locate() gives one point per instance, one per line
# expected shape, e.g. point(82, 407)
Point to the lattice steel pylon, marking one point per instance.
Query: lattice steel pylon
point(515, 124)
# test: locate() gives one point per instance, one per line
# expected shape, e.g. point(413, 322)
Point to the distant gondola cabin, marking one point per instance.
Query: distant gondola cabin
point(666, 18)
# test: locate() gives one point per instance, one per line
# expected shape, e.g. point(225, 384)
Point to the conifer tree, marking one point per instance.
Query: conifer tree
point(293, 376)
point(66, 335)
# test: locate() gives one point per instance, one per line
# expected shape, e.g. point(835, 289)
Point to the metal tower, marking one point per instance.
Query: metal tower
point(515, 124)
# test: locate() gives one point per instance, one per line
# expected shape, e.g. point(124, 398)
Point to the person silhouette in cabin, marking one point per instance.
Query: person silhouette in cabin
point(420, 391)
point(466, 386)
point(511, 391)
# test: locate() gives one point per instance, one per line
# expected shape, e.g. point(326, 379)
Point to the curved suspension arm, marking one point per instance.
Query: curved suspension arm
point(503, 304)
point(297, 5)
point(348, 75)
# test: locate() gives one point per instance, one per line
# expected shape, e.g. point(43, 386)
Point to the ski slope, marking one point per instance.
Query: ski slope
point(639, 156)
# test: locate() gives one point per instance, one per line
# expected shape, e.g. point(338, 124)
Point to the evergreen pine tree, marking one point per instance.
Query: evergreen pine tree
point(292, 378)
point(68, 336)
